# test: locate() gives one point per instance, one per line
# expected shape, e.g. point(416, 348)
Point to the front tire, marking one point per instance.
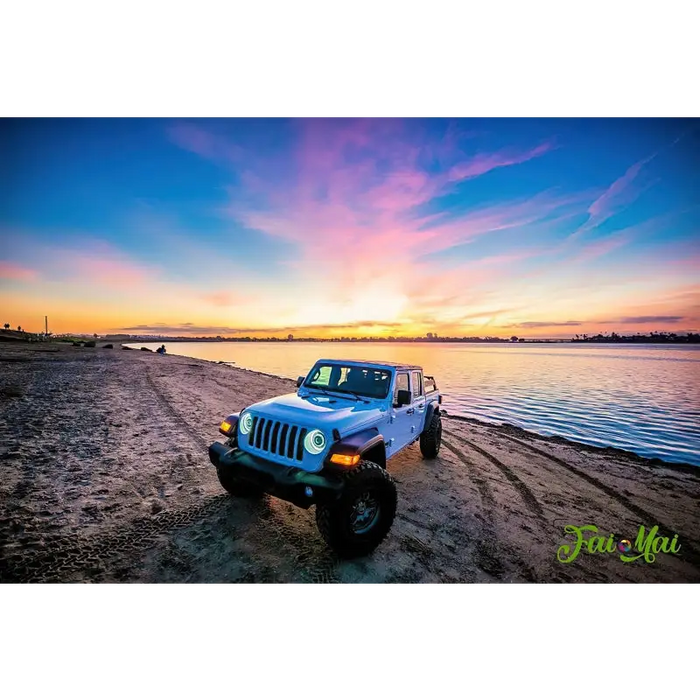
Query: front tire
point(431, 437)
point(236, 487)
point(357, 523)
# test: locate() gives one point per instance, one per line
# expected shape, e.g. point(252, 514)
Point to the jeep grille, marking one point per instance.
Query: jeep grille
point(277, 438)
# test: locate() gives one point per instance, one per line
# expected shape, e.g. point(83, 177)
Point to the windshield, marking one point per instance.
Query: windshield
point(350, 379)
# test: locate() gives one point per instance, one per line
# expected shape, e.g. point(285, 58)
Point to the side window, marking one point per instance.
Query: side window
point(401, 384)
point(417, 381)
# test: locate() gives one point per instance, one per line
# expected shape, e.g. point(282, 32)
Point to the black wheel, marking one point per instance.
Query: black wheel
point(431, 437)
point(236, 487)
point(355, 524)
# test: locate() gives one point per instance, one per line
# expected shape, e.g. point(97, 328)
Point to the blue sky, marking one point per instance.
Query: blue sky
point(337, 227)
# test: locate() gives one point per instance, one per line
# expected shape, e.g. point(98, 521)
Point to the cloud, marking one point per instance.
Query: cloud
point(18, 273)
point(619, 195)
point(546, 324)
point(490, 313)
point(483, 163)
point(193, 329)
point(219, 298)
point(602, 247)
point(354, 201)
point(646, 319)
point(206, 144)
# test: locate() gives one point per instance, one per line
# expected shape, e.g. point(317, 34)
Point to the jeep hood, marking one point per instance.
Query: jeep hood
point(320, 411)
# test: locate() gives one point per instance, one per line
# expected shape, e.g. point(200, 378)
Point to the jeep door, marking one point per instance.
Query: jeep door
point(401, 429)
point(418, 395)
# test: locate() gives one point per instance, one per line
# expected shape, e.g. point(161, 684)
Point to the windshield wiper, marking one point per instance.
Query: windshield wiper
point(318, 388)
point(356, 395)
point(338, 391)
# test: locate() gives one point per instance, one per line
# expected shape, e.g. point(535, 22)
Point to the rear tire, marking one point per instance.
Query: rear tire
point(357, 523)
point(236, 487)
point(431, 437)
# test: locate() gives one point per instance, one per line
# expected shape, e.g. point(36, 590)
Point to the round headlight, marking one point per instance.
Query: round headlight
point(246, 423)
point(315, 442)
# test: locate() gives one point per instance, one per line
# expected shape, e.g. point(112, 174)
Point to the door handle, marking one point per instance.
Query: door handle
point(410, 410)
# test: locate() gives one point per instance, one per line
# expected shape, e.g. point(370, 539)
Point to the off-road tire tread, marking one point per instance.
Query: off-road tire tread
point(329, 517)
point(429, 445)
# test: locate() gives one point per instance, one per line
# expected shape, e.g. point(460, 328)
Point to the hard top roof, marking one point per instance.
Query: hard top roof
point(375, 363)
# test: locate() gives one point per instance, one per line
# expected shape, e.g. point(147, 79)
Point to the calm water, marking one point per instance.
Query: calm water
point(644, 398)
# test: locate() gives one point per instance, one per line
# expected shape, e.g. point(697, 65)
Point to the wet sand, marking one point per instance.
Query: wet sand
point(105, 477)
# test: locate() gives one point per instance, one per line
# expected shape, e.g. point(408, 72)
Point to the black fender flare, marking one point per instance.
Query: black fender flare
point(368, 441)
point(432, 409)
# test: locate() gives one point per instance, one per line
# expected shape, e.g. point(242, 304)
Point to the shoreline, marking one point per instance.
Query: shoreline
point(106, 478)
point(607, 449)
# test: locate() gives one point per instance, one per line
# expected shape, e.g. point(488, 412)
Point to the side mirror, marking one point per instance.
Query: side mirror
point(403, 397)
point(300, 381)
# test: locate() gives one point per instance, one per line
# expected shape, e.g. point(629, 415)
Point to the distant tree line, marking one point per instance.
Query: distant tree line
point(653, 337)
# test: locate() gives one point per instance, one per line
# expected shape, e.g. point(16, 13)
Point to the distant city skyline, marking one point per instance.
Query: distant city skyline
point(327, 228)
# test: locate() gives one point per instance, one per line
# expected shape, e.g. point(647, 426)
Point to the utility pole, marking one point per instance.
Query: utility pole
point(46, 325)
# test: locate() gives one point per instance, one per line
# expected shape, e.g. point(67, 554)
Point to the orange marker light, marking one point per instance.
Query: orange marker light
point(225, 427)
point(345, 460)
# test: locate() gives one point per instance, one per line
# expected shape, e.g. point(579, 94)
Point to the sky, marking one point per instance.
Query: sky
point(540, 228)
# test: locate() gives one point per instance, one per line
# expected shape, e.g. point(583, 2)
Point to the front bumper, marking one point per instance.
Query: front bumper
point(288, 483)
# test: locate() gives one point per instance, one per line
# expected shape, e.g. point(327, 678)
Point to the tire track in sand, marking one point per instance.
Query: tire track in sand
point(174, 413)
point(63, 556)
point(523, 490)
point(481, 484)
point(647, 518)
point(487, 555)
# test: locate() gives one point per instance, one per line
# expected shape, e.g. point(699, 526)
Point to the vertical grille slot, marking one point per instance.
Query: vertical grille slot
point(266, 436)
point(284, 433)
point(258, 435)
point(251, 434)
point(291, 444)
point(300, 444)
point(274, 438)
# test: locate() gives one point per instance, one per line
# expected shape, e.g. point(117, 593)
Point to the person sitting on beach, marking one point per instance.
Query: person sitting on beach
point(161, 350)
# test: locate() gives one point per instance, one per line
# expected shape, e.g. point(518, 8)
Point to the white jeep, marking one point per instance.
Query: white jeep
point(328, 445)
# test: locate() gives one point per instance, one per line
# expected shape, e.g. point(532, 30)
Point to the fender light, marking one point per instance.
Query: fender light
point(345, 460)
point(228, 425)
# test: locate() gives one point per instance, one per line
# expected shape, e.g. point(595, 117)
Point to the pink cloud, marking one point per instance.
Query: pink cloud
point(602, 247)
point(353, 204)
point(219, 298)
point(97, 261)
point(484, 162)
point(12, 271)
point(620, 194)
point(113, 270)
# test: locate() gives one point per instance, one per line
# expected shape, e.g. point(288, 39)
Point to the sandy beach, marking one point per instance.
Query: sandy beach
point(105, 477)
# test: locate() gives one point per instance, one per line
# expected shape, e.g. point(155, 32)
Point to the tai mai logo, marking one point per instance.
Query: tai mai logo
point(646, 545)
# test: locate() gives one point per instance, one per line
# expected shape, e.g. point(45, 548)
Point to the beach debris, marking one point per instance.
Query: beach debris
point(109, 346)
point(156, 507)
point(89, 344)
point(147, 349)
